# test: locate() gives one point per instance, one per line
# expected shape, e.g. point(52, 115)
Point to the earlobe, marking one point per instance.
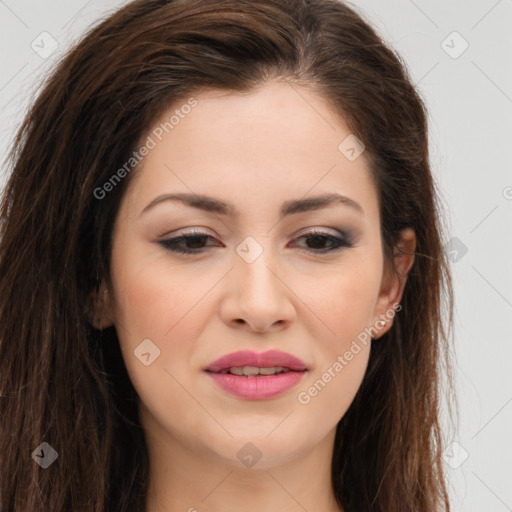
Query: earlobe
point(394, 280)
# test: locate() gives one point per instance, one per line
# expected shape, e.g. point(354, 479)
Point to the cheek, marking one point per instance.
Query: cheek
point(332, 389)
point(153, 301)
point(344, 301)
point(153, 296)
point(161, 304)
point(342, 347)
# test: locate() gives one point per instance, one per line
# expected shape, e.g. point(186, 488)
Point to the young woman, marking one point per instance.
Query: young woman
point(221, 272)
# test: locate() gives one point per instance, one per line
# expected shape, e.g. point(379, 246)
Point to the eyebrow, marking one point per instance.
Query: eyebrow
point(211, 204)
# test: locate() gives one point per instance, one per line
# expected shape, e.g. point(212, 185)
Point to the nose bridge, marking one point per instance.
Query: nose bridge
point(253, 265)
point(257, 294)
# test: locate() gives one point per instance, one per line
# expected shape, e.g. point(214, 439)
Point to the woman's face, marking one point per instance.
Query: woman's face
point(269, 268)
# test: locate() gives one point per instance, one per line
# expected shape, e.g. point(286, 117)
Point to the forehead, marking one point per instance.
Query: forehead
point(274, 142)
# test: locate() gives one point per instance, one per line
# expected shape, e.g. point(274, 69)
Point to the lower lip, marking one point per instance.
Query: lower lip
point(257, 387)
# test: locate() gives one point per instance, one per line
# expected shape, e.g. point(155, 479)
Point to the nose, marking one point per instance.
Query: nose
point(258, 297)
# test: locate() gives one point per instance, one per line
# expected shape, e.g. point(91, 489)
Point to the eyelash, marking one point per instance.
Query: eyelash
point(338, 242)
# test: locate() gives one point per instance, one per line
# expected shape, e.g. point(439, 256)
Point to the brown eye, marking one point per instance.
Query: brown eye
point(320, 242)
point(187, 244)
point(316, 242)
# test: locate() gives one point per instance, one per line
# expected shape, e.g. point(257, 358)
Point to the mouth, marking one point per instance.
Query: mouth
point(252, 371)
point(257, 376)
point(270, 362)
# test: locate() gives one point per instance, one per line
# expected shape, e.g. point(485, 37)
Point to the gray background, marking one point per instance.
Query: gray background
point(469, 96)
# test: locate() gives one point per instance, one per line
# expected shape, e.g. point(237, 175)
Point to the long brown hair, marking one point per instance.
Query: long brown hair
point(63, 382)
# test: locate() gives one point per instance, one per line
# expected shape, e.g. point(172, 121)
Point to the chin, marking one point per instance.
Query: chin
point(258, 450)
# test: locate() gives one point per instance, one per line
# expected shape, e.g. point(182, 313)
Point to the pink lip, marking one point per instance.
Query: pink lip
point(258, 387)
point(260, 359)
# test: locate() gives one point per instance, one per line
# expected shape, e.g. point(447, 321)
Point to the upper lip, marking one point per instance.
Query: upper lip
point(267, 359)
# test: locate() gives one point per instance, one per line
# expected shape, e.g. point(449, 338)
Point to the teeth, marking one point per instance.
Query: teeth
point(271, 370)
point(250, 371)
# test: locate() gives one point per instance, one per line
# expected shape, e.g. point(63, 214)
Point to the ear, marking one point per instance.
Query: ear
point(393, 281)
point(99, 309)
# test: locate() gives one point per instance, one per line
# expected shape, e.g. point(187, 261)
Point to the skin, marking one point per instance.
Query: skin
point(254, 150)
